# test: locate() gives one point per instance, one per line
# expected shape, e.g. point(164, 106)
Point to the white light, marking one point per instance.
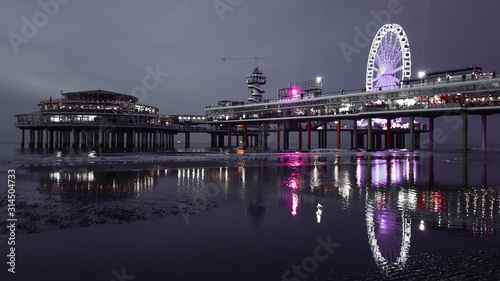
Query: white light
point(421, 74)
point(90, 176)
point(319, 212)
point(318, 79)
point(55, 176)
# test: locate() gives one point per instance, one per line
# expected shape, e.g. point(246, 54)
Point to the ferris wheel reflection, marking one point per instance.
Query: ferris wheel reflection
point(388, 223)
point(384, 182)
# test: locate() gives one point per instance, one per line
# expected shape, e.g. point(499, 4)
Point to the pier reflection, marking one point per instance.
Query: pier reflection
point(396, 191)
point(401, 194)
point(113, 182)
point(98, 184)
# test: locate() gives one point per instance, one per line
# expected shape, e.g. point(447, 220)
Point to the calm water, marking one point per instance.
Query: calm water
point(209, 214)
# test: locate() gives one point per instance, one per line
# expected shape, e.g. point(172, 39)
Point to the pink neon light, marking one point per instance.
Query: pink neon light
point(295, 203)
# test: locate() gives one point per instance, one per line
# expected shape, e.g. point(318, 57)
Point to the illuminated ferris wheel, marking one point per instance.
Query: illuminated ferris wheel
point(389, 60)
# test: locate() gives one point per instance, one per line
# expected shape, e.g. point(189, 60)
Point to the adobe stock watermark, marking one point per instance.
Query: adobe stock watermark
point(199, 201)
point(150, 82)
point(30, 28)
point(361, 38)
point(310, 264)
point(121, 276)
point(223, 6)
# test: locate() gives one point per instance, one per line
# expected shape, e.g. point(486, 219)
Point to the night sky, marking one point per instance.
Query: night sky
point(72, 45)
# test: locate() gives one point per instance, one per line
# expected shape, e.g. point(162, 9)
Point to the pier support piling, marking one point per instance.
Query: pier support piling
point(213, 140)
point(285, 137)
point(465, 125)
point(221, 140)
point(354, 141)
point(46, 137)
point(483, 132)
point(40, 138)
point(338, 133)
point(51, 139)
point(22, 138)
point(260, 139)
point(388, 135)
point(113, 139)
point(245, 136)
point(369, 134)
point(324, 140)
point(300, 135)
point(431, 133)
point(187, 140)
point(80, 138)
point(308, 134)
point(412, 133)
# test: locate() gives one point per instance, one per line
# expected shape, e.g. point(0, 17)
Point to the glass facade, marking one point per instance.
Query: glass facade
point(95, 108)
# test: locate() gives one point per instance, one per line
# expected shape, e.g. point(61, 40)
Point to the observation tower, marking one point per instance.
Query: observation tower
point(254, 81)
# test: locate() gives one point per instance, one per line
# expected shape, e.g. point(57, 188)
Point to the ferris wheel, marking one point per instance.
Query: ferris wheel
point(389, 60)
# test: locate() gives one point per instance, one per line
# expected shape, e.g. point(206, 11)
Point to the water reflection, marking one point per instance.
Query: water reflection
point(319, 212)
point(342, 181)
point(388, 222)
point(98, 184)
point(392, 170)
point(256, 210)
point(394, 190)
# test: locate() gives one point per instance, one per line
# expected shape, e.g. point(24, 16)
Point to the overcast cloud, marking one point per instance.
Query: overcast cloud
point(85, 45)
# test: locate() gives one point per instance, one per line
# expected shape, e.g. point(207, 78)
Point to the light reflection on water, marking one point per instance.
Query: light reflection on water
point(388, 222)
point(395, 191)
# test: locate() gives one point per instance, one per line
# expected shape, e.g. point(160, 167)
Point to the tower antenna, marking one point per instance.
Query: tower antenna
point(256, 58)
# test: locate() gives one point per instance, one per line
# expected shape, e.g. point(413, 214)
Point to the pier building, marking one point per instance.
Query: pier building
point(97, 118)
point(461, 92)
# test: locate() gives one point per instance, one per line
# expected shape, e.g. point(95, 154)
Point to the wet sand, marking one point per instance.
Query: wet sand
point(466, 265)
point(254, 217)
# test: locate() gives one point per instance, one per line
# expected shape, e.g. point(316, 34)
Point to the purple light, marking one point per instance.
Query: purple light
point(379, 173)
point(294, 160)
point(387, 60)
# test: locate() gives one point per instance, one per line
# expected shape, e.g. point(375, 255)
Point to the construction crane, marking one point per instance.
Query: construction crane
point(256, 58)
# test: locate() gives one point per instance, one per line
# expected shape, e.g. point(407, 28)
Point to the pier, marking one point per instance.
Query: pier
point(373, 116)
point(462, 92)
point(99, 119)
point(372, 119)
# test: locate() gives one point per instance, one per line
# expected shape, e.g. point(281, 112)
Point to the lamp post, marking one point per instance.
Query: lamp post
point(421, 75)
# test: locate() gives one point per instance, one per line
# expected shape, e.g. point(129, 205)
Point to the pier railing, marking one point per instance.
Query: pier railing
point(95, 120)
point(448, 86)
point(478, 93)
